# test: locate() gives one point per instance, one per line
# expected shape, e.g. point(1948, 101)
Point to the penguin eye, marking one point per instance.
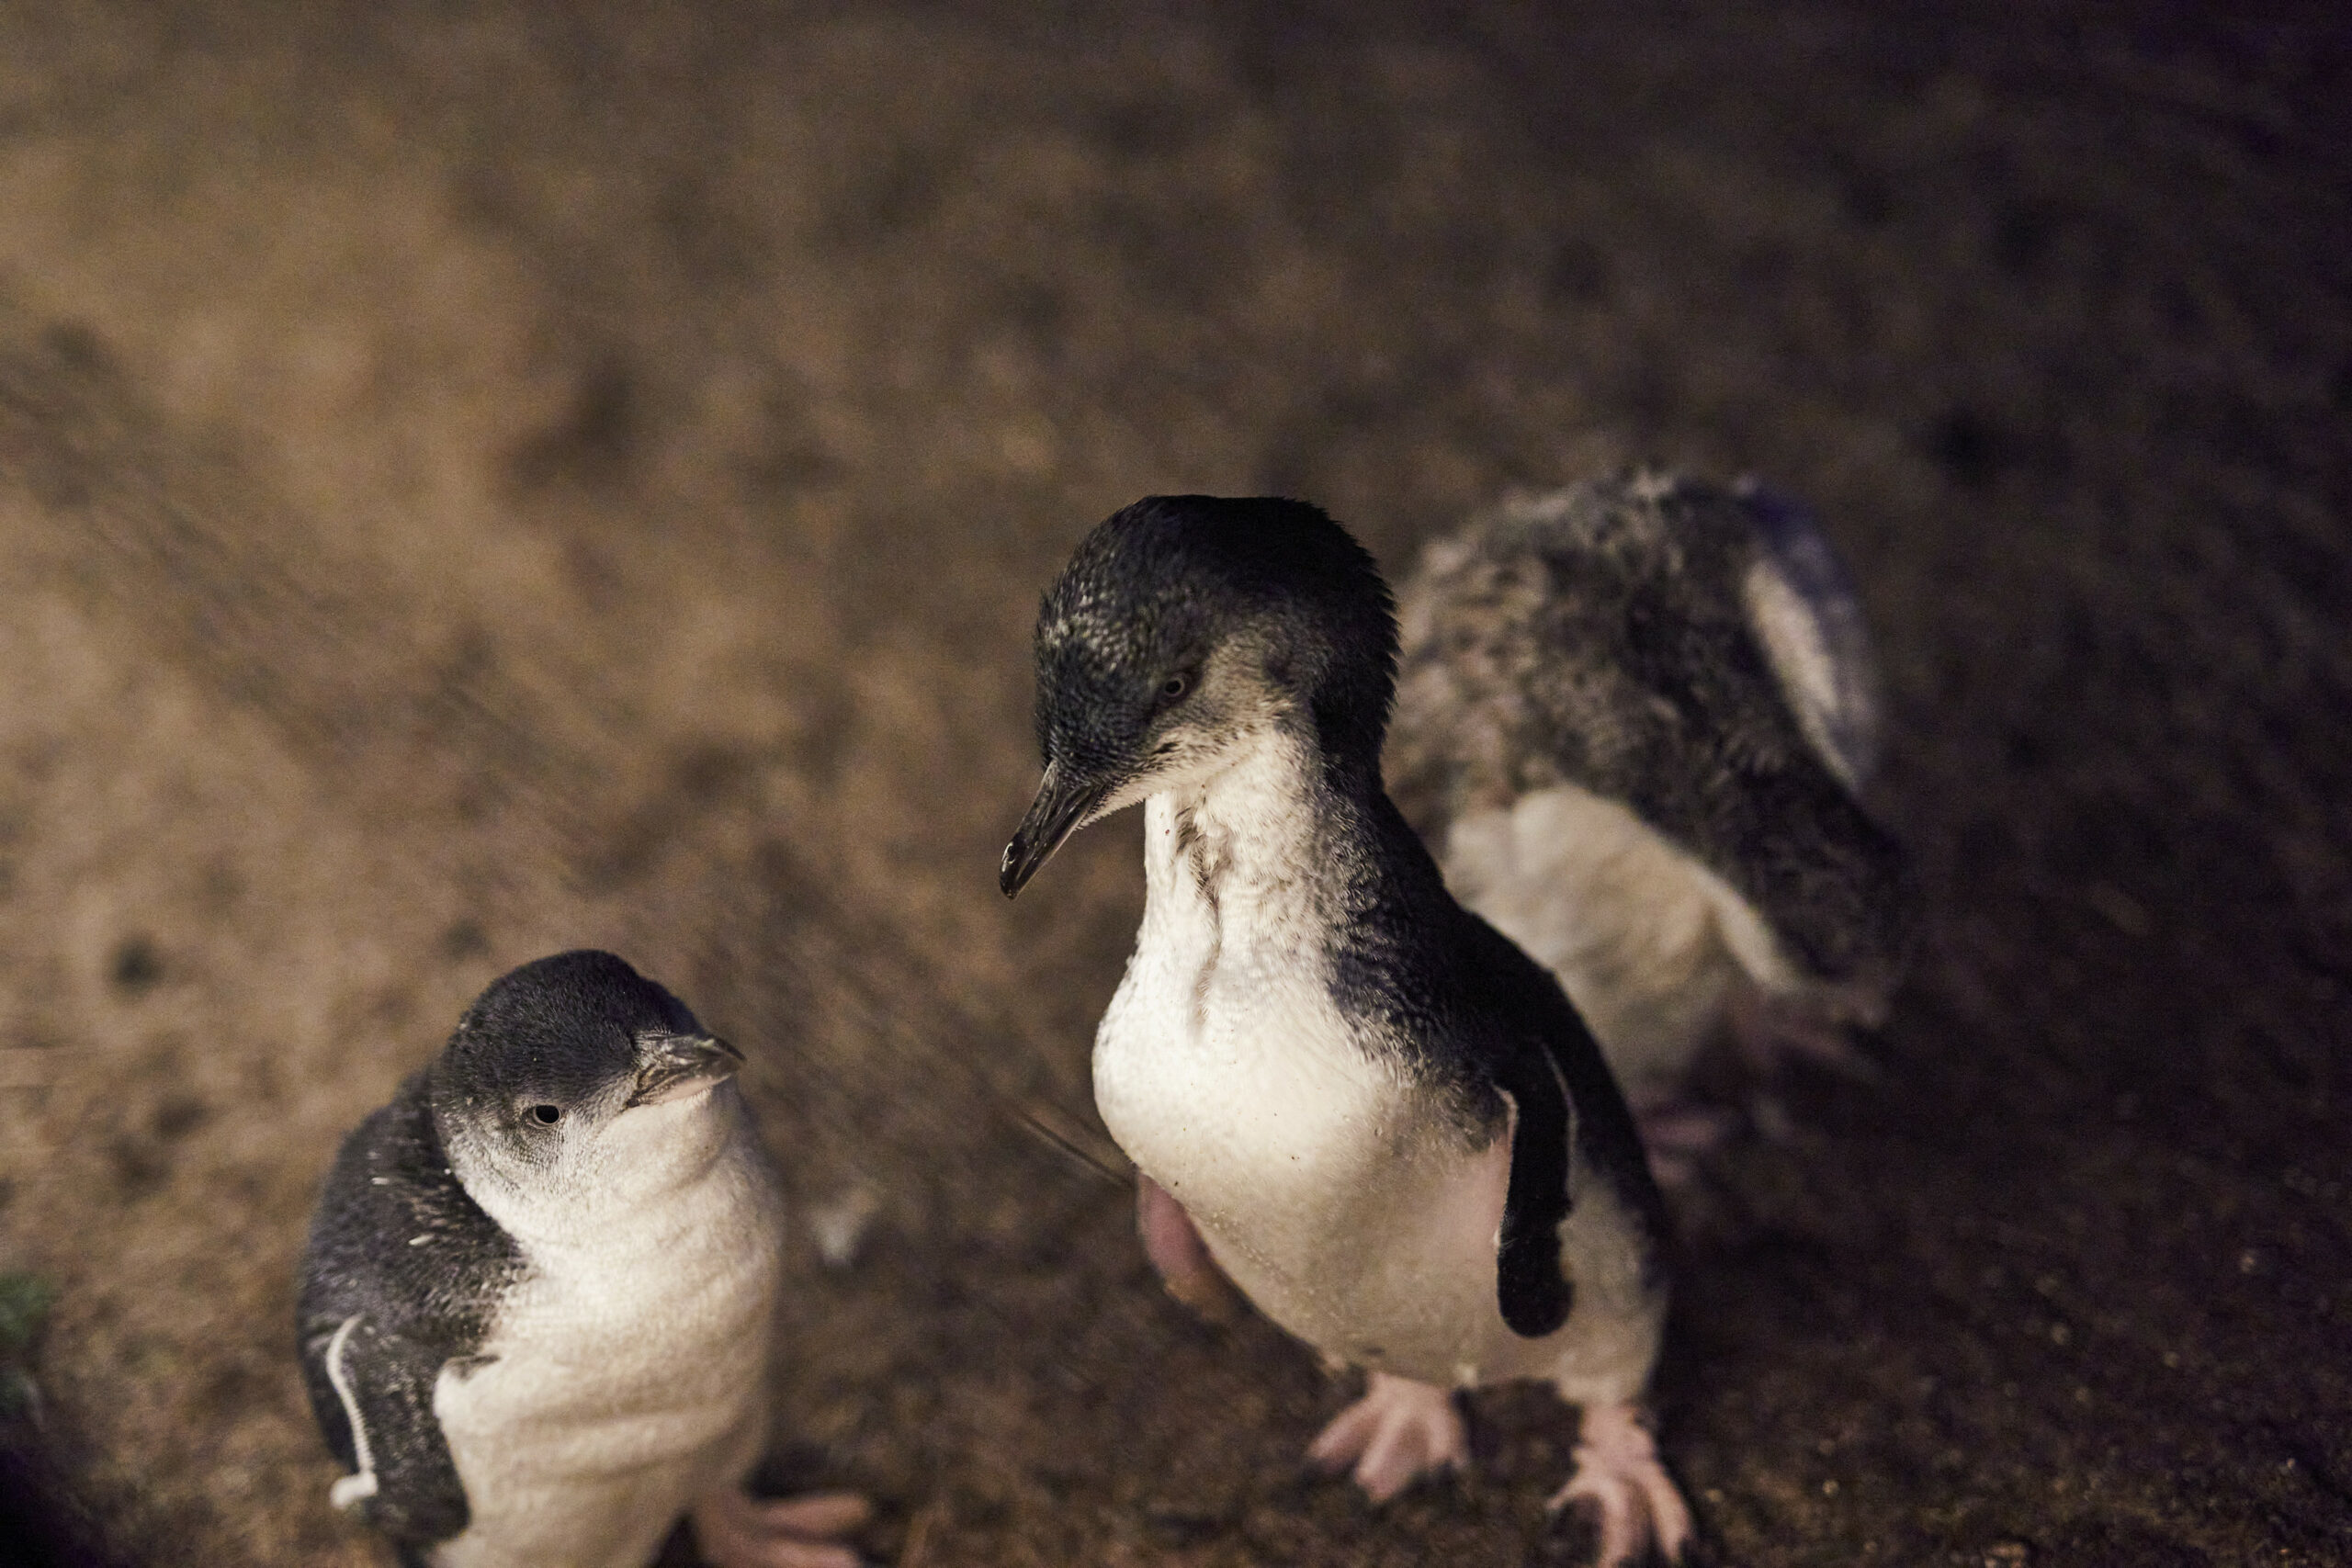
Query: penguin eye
point(546, 1115)
point(1175, 687)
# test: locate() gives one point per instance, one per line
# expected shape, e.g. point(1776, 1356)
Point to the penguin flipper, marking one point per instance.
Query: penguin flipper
point(1547, 1062)
point(380, 1316)
point(1801, 606)
point(1506, 989)
point(371, 1389)
point(1533, 1288)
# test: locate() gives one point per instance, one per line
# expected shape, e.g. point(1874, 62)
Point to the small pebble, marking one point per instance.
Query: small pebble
point(840, 1225)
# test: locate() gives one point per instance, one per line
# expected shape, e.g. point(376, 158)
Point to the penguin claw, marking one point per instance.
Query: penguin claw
point(1618, 1474)
point(1398, 1432)
point(734, 1529)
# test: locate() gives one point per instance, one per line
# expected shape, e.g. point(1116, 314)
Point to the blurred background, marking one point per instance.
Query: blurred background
point(482, 479)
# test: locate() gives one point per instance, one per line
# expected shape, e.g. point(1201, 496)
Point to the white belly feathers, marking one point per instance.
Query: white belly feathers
point(628, 1376)
point(1322, 1182)
point(1294, 1154)
point(1646, 940)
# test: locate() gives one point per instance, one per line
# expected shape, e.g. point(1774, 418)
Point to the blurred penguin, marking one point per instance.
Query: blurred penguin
point(1636, 718)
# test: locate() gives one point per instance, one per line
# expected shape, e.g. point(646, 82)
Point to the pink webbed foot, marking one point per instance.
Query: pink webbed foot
point(1398, 1432)
point(1766, 1033)
point(734, 1529)
point(1677, 1134)
point(1176, 1250)
point(1618, 1473)
point(1770, 1031)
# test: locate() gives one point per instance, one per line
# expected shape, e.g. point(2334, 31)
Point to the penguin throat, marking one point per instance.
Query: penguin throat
point(644, 1156)
point(1259, 848)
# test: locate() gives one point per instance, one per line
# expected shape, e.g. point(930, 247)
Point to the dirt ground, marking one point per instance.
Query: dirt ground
point(477, 480)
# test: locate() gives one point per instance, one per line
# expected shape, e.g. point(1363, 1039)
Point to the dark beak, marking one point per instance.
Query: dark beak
point(1061, 804)
point(671, 1066)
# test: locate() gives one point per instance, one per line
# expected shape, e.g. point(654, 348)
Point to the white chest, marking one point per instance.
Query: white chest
point(1229, 1073)
point(1315, 1172)
point(1224, 1064)
point(628, 1375)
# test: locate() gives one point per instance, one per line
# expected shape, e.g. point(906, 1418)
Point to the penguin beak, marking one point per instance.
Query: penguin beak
point(1062, 806)
point(672, 1067)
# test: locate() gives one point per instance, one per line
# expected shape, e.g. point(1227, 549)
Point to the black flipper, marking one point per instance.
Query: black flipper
point(1547, 1061)
point(1417, 968)
point(1836, 701)
point(1535, 1290)
point(402, 1478)
point(402, 1276)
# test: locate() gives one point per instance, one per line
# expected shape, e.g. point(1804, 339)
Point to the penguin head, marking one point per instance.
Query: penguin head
point(574, 1081)
point(1186, 626)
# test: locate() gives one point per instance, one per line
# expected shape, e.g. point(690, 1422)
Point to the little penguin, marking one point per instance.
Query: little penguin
point(535, 1309)
point(1353, 1098)
point(1636, 718)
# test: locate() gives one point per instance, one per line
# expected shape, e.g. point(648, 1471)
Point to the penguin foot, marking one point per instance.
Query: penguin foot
point(1618, 1474)
point(1398, 1432)
point(1769, 1031)
point(1677, 1134)
point(734, 1529)
point(1176, 1250)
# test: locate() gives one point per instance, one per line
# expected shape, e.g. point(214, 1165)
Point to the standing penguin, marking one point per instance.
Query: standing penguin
point(1381, 1120)
point(1635, 717)
point(535, 1309)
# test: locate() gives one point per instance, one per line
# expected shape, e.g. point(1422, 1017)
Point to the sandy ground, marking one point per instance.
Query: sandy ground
point(475, 480)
